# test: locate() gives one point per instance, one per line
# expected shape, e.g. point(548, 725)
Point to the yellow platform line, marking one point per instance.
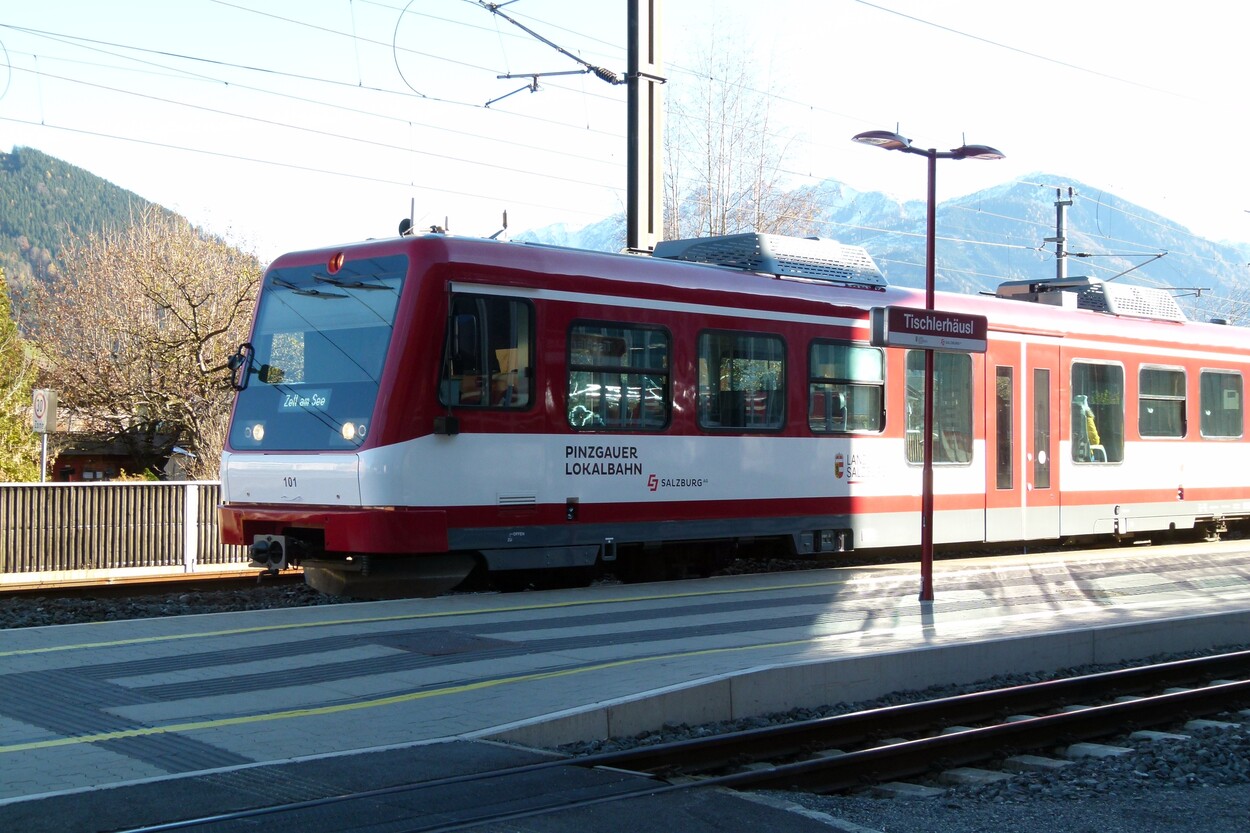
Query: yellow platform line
point(393, 700)
point(399, 699)
point(409, 617)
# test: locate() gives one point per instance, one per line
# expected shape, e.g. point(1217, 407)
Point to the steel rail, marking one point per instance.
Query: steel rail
point(852, 769)
point(857, 728)
point(900, 760)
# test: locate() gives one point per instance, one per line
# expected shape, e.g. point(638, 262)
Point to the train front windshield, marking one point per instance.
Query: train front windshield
point(320, 343)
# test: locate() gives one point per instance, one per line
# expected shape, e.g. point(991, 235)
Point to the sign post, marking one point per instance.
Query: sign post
point(930, 330)
point(43, 422)
point(886, 140)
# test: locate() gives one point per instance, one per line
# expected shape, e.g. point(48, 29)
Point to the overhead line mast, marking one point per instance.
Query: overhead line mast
point(644, 195)
point(644, 214)
point(1061, 233)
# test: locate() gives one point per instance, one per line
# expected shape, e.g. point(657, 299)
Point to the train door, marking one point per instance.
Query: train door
point(1041, 481)
point(1021, 424)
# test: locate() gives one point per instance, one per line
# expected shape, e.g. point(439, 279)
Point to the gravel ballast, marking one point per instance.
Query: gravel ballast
point(28, 610)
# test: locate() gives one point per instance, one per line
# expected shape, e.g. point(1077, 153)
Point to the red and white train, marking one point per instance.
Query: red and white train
point(417, 408)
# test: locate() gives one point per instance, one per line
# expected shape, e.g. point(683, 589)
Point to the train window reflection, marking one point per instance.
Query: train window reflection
point(846, 386)
point(1004, 427)
point(1097, 413)
point(742, 381)
point(1041, 428)
point(618, 378)
point(489, 353)
point(952, 407)
point(1219, 399)
point(320, 348)
point(1161, 402)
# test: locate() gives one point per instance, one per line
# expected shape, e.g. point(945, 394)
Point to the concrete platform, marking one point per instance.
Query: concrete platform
point(219, 794)
point(84, 707)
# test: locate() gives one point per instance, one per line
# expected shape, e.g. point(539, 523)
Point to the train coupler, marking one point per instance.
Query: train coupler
point(274, 553)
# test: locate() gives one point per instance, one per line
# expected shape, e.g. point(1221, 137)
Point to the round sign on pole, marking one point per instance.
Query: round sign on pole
point(44, 410)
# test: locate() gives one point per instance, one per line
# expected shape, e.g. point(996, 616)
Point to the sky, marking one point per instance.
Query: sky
point(293, 124)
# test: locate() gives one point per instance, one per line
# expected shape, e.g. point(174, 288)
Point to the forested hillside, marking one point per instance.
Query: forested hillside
point(44, 199)
point(127, 311)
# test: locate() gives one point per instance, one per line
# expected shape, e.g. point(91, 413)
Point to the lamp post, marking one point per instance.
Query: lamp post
point(893, 141)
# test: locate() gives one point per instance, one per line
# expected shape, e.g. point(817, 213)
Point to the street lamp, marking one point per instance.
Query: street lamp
point(893, 141)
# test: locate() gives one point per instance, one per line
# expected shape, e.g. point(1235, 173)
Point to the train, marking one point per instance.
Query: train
point(415, 410)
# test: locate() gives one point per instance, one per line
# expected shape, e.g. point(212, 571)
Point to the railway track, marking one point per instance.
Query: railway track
point(1027, 717)
point(129, 596)
point(102, 599)
point(826, 755)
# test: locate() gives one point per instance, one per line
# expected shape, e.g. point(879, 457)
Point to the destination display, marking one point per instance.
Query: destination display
point(304, 400)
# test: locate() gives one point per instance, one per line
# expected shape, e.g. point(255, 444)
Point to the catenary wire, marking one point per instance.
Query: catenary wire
point(1114, 208)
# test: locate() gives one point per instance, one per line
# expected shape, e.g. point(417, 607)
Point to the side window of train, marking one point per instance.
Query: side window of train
point(618, 377)
point(488, 354)
point(742, 381)
point(1161, 402)
point(1219, 400)
point(845, 388)
point(1004, 427)
point(952, 407)
point(1097, 413)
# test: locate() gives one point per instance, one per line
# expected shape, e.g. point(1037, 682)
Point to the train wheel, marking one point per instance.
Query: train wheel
point(511, 581)
point(639, 564)
point(390, 578)
point(568, 577)
point(514, 581)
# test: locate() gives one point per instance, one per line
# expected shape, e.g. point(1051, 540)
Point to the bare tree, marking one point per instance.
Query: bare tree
point(19, 450)
point(722, 161)
point(137, 330)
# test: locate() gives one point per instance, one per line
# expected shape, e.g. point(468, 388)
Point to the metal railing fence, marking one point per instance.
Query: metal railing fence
point(81, 528)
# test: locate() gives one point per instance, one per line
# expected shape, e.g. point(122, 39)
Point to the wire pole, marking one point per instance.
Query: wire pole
point(1061, 232)
point(644, 197)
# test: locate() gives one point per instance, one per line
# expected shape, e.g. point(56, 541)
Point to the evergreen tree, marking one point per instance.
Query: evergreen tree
point(19, 447)
point(44, 204)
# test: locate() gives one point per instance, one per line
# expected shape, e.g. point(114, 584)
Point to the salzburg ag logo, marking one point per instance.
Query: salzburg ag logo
point(655, 482)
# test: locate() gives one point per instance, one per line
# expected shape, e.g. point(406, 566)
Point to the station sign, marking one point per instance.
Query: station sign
point(952, 332)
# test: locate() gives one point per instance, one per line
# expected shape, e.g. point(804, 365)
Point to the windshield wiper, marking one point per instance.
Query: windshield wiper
point(348, 284)
point(298, 290)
